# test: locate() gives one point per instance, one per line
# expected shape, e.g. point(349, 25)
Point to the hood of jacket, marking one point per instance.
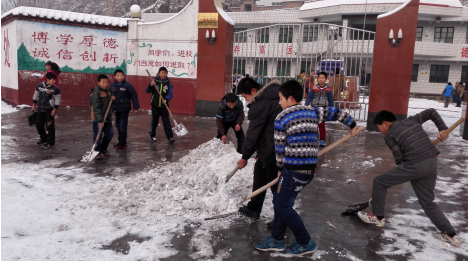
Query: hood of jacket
point(266, 92)
point(99, 88)
point(160, 80)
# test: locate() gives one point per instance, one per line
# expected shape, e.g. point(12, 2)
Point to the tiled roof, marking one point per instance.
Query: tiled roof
point(67, 16)
point(329, 3)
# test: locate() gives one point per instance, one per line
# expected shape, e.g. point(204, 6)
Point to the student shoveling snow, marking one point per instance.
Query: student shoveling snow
point(194, 187)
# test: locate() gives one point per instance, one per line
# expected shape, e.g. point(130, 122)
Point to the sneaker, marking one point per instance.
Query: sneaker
point(105, 152)
point(123, 147)
point(270, 224)
point(322, 143)
point(153, 139)
point(248, 213)
point(270, 244)
point(455, 240)
point(117, 146)
point(171, 140)
point(47, 145)
point(297, 249)
point(41, 142)
point(371, 218)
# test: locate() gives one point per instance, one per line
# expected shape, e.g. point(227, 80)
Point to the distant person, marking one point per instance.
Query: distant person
point(231, 115)
point(165, 87)
point(54, 68)
point(302, 79)
point(416, 160)
point(100, 97)
point(47, 96)
point(234, 79)
point(260, 80)
point(459, 91)
point(123, 93)
point(447, 93)
point(338, 85)
point(321, 96)
point(309, 82)
point(237, 81)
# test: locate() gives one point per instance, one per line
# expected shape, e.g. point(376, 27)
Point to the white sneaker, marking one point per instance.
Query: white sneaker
point(154, 139)
point(371, 218)
point(455, 240)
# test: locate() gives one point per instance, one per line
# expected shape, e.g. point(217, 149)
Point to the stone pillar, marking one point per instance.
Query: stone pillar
point(392, 66)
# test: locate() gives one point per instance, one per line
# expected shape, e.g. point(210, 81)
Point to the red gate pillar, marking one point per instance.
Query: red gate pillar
point(392, 66)
point(214, 70)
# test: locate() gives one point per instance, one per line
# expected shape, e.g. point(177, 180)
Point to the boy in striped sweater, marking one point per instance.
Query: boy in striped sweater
point(416, 159)
point(296, 146)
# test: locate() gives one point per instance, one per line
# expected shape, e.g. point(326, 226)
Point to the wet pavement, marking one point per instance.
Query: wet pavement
point(343, 177)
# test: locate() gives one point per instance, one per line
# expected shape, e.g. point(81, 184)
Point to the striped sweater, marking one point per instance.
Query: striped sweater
point(296, 134)
point(409, 142)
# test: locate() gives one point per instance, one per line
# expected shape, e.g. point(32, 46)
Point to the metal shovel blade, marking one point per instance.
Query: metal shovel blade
point(180, 130)
point(353, 209)
point(90, 155)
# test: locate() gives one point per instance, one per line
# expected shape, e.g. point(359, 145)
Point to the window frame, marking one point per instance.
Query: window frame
point(236, 39)
point(414, 73)
point(436, 69)
point(283, 65)
point(464, 73)
point(420, 38)
point(310, 35)
point(446, 39)
point(262, 35)
point(241, 68)
point(286, 34)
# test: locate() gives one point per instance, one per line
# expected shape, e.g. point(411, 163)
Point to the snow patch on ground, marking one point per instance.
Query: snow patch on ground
point(6, 108)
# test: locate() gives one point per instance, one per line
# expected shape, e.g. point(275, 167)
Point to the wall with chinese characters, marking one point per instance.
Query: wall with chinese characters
point(74, 49)
point(9, 58)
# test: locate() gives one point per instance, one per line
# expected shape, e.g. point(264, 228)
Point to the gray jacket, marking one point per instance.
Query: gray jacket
point(47, 97)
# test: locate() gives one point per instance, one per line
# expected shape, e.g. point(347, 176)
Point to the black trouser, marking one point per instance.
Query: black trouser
point(262, 175)
point(121, 121)
point(160, 112)
point(44, 119)
point(239, 134)
point(459, 101)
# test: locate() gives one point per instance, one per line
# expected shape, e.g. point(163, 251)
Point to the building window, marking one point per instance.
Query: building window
point(414, 73)
point(305, 65)
point(419, 34)
point(439, 74)
point(466, 37)
point(310, 33)
point(285, 34)
point(283, 68)
point(444, 34)
point(277, 4)
point(240, 37)
point(247, 8)
point(464, 75)
point(261, 68)
point(262, 35)
point(239, 66)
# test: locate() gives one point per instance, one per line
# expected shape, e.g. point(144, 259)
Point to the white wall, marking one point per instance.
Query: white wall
point(423, 86)
point(9, 56)
point(155, 44)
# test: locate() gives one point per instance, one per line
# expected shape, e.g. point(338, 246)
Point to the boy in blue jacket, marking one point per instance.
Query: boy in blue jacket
point(447, 93)
point(296, 145)
point(122, 93)
point(158, 104)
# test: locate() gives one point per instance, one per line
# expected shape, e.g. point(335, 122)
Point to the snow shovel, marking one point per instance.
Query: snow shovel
point(90, 155)
point(323, 151)
point(232, 173)
point(353, 209)
point(179, 129)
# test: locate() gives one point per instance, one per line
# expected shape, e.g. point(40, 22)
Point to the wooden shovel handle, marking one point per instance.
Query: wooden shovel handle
point(449, 130)
point(323, 151)
point(169, 112)
point(106, 114)
point(229, 176)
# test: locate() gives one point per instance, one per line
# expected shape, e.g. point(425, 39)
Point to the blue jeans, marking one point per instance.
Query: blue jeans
point(108, 132)
point(121, 121)
point(289, 185)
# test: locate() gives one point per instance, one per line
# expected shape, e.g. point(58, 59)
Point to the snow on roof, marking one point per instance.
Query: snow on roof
point(66, 16)
point(328, 3)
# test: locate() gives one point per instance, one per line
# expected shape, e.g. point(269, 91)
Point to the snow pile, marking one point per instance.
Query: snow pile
point(193, 188)
point(6, 108)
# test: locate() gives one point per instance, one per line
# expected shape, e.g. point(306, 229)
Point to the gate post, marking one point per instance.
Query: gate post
point(392, 66)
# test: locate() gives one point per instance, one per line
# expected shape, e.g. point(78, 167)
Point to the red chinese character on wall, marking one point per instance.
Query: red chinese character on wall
point(40, 36)
point(143, 63)
point(289, 49)
point(151, 52)
point(189, 54)
point(158, 52)
point(108, 57)
point(6, 48)
point(166, 53)
point(66, 55)
point(150, 63)
point(88, 41)
point(181, 53)
point(43, 53)
point(111, 43)
point(465, 52)
point(166, 64)
point(87, 56)
point(180, 65)
point(237, 49)
point(261, 49)
point(174, 64)
point(64, 39)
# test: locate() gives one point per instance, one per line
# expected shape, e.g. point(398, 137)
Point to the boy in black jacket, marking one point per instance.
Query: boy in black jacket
point(264, 107)
point(231, 115)
point(158, 104)
point(123, 92)
point(47, 96)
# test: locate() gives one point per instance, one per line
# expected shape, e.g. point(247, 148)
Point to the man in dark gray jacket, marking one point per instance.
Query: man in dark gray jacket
point(264, 107)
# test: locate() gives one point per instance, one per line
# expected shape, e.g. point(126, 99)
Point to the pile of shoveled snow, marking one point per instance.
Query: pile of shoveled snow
point(193, 188)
